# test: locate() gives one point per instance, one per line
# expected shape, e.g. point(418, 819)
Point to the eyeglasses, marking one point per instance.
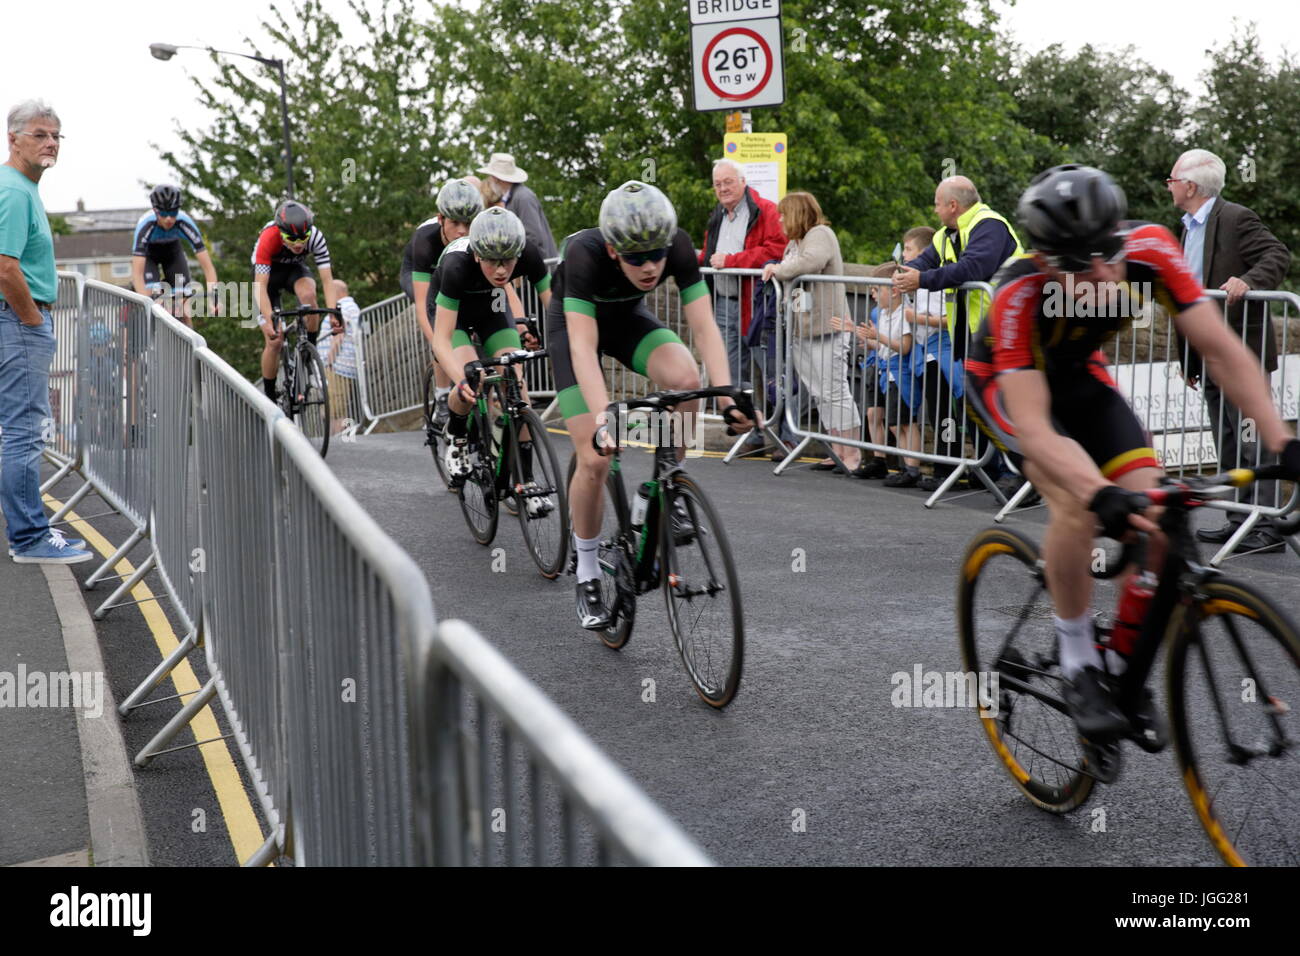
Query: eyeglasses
point(1112, 252)
point(1168, 181)
point(296, 240)
point(44, 137)
point(641, 258)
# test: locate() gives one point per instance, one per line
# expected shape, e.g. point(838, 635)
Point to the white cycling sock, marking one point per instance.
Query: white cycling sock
point(441, 392)
point(1076, 641)
point(1116, 663)
point(588, 557)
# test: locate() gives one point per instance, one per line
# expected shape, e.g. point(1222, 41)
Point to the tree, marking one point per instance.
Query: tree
point(59, 225)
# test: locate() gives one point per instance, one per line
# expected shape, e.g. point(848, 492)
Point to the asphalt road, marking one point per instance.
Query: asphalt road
point(812, 764)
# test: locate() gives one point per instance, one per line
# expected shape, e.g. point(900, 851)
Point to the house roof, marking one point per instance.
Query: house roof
point(102, 220)
point(94, 245)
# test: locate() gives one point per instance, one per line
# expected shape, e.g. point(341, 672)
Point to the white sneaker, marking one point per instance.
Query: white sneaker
point(456, 459)
point(539, 506)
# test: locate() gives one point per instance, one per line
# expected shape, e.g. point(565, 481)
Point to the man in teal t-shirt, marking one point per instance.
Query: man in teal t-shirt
point(28, 288)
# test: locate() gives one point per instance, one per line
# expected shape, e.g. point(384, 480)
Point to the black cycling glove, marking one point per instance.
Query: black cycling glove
point(1112, 505)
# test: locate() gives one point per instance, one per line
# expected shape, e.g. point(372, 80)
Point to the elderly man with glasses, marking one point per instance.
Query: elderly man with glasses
point(28, 288)
point(1228, 248)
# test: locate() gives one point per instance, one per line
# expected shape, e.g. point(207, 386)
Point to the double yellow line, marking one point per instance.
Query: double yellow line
point(241, 821)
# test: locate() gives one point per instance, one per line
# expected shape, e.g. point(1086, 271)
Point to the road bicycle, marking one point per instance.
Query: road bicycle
point(1232, 679)
point(643, 546)
point(434, 438)
point(505, 469)
point(300, 381)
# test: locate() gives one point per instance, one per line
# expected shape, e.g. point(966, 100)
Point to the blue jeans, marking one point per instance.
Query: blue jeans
point(26, 353)
point(727, 313)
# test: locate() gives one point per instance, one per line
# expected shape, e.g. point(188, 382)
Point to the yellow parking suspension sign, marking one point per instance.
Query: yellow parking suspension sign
point(763, 157)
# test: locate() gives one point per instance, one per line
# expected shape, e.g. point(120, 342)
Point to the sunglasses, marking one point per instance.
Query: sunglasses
point(167, 213)
point(296, 240)
point(641, 258)
point(1111, 252)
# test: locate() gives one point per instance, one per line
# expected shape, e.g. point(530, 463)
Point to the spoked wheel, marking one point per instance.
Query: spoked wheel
point(432, 434)
point(312, 401)
point(478, 495)
point(618, 577)
point(702, 593)
point(1004, 619)
point(1234, 698)
point(540, 495)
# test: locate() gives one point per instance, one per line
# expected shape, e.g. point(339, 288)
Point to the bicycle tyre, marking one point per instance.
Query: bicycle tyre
point(713, 658)
point(617, 561)
point(313, 411)
point(1241, 694)
point(547, 536)
point(1061, 782)
point(478, 494)
point(432, 435)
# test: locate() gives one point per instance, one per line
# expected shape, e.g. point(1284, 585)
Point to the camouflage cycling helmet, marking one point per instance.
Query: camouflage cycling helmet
point(165, 197)
point(459, 201)
point(637, 217)
point(497, 234)
point(1073, 210)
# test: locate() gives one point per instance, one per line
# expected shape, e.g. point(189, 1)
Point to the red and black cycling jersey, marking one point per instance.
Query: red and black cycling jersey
point(270, 250)
point(1038, 322)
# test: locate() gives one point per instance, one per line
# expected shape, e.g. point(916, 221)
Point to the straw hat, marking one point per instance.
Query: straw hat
point(502, 166)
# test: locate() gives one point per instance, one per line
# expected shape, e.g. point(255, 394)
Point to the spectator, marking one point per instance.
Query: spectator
point(743, 232)
point(820, 353)
point(1228, 248)
point(971, 247)
point(492, 195)
point(523, 202)
point(28, 289)
point(339, 356)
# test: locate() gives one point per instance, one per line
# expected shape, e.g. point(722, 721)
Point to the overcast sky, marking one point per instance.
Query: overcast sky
point(90, 59)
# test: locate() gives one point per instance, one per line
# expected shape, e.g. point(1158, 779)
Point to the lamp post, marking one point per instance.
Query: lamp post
point(165, 51)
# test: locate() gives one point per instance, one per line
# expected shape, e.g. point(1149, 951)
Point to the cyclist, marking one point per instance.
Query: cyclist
point(459, 201)
point(157, 257)
point(596, 308)
point(473, 294)
point(1038, 386)
point(278, 265)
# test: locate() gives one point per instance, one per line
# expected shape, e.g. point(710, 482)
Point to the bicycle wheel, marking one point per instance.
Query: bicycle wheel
point(1234, 688)
point(702, 594)
point(617, 559)
point(312, 400)
point(478, 495)
point(1004, 622)
point(546, 528)
point(432, 434)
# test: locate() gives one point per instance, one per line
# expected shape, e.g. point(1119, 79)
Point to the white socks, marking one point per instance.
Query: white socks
point(588, 557)
point(1077, 643)
point(440, 392)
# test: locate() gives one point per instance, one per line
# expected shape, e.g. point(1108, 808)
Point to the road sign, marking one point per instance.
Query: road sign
point(737, 65)
point(730, 11)
point(762, 157)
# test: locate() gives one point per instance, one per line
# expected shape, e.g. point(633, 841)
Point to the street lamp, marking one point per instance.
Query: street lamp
point(165, 51)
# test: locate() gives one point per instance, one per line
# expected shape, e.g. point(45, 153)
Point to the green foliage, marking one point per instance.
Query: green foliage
point(59, 225)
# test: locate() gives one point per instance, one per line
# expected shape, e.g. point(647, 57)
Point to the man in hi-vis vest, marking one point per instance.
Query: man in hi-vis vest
point(971, 247)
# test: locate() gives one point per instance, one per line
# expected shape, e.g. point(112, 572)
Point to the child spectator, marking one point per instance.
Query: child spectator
point(339, 356)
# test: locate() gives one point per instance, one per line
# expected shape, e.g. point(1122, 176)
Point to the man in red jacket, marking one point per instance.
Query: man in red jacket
point(743, 232)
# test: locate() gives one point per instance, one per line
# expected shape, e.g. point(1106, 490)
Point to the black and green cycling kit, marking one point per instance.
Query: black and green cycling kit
point(458, 284)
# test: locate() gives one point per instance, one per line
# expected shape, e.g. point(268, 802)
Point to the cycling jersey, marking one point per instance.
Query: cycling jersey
point(1037, 322)
point(420, 257)
point(587, 277)
point(148, 233)
point(270, 250)
point(458, 283)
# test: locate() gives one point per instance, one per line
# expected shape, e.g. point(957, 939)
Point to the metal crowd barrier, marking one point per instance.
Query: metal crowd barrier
point(391, 359)
point(63, 447)
point(514, 780)
point(841, 379)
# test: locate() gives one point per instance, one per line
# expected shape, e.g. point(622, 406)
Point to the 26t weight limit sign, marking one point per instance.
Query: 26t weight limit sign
point(737, 65)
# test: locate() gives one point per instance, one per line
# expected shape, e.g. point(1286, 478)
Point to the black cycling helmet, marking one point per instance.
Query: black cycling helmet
point(1073, 211)
point(459, 201)
point(165, 197)
point(294, 219)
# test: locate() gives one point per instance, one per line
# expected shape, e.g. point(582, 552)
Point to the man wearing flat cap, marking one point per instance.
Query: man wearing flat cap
point(521, 201)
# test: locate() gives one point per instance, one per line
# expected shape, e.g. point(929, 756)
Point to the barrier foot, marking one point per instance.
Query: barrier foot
point(1245, 528)
point(124, 588)
point(552, 412)
point(953, 477)
point(70, 503)
point(159, 673)
point(266, 853)
point(175, 725)
point(118, 555)
point(798, 450)
point(1021, 494)
point(55, 478)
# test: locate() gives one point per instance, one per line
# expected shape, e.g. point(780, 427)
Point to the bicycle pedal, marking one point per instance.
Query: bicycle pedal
point(1103, 761)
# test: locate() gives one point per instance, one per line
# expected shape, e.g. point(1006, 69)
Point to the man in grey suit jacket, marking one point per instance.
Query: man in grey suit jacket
point(522, 201)
point(1228, 248)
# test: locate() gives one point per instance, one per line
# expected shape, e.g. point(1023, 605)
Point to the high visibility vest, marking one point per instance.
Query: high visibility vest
point(949, 252)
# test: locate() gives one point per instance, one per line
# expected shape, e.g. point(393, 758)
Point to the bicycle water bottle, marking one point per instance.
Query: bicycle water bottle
point(641, 504)
point(1132, 610)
